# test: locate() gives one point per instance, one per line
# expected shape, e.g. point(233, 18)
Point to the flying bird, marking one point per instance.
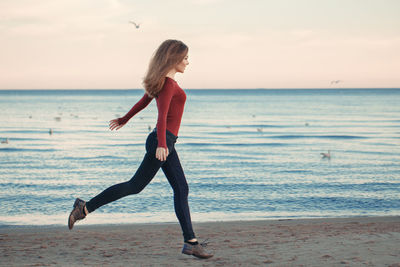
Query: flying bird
point(335, 81)
point(137, 25)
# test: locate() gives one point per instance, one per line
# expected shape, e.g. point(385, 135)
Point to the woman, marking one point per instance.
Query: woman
point(171, 57)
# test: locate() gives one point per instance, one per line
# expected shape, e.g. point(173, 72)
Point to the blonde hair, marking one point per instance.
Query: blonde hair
point(169, 54)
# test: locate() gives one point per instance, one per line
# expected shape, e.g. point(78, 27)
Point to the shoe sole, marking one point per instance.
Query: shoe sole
point(202, 257)
point(186, 252)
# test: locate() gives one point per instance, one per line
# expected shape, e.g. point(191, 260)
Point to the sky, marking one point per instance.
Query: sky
point(90, 44)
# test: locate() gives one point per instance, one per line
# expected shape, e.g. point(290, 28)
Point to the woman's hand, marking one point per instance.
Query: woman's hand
point(162, 153)
point(114, 125)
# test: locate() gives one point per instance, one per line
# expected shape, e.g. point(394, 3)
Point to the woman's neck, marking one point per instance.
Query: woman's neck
point(171, 74)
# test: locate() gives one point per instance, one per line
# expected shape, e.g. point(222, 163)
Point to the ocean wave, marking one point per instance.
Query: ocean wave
point(234, 144)
point(42, 185)
point(295, 171)
point(318, 136)
point(25, 139)
point(271, 186)
point(13, 149)
point(124, 145)
point(299, 203)
point(25, 131)
point(372, 152)
point(93, 157)
point(255, 126)
point(258, 132)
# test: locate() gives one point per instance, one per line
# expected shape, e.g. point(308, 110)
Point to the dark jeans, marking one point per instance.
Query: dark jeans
point(150, 165)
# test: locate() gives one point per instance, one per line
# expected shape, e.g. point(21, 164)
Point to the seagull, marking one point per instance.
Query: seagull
point(326, 155)
point(335, 81)
point(134, 23)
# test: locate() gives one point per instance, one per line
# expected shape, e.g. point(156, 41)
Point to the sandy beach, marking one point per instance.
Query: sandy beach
point(365, 241)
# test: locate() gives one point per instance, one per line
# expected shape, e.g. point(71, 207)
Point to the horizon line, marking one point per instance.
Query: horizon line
point(126, 89)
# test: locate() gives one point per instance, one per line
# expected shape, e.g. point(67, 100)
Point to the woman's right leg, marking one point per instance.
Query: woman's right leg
point(147, 170)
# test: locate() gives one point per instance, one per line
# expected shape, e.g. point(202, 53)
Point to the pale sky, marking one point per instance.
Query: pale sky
point(90, 44)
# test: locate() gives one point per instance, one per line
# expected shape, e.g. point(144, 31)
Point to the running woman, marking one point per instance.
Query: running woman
point(159, 83)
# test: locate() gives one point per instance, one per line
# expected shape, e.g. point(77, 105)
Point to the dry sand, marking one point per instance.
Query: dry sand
point(367, 241)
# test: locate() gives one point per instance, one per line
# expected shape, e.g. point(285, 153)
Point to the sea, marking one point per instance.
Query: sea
point(248, 154)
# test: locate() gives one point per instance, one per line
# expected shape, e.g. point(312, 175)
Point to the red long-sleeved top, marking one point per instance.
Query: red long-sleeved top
point(170, 103)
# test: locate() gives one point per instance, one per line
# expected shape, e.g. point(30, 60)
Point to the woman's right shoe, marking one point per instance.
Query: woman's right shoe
point(196, 250)
point(77, 213)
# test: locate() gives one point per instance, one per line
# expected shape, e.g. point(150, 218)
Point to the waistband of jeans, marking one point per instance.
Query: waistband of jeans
point(168, 135)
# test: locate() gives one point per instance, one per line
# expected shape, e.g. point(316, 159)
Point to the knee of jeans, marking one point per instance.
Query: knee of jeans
point(183, 190)
point(134, 188)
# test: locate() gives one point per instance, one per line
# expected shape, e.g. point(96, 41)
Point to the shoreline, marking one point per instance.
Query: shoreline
point(263, 220)
point(355, 241)
point(122, 219)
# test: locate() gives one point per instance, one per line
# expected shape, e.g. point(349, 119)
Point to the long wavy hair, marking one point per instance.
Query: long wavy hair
point(169, 54)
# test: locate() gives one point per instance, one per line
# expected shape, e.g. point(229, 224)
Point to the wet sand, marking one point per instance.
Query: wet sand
point(365, 241)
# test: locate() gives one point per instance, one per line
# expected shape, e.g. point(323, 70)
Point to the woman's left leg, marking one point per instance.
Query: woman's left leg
point(173, 171)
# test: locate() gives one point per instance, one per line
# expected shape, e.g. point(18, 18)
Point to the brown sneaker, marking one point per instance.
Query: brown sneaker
point(77, 213)
point(196, 250)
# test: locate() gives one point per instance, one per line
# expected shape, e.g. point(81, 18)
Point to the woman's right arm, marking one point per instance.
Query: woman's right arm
point(163, 103)
point(141, 104)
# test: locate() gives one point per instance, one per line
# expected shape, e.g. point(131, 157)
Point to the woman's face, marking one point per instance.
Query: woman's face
point(181, 66)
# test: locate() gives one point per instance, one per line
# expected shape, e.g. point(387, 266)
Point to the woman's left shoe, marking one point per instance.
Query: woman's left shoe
point(77, 212)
